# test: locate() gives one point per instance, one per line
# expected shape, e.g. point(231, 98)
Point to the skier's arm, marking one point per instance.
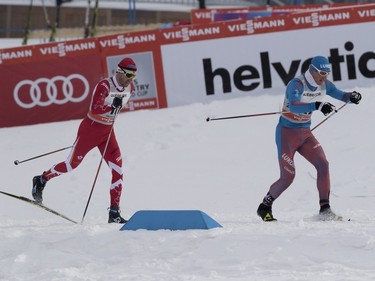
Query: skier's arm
point(337, 93)
point(101, 92)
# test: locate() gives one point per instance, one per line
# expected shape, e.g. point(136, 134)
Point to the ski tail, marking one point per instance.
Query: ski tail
point(32, 202)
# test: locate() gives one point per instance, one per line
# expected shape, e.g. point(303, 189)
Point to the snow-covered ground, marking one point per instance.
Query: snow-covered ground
point(175, 160)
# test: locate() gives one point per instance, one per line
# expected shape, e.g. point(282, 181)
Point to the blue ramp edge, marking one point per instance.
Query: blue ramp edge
point(170, 219)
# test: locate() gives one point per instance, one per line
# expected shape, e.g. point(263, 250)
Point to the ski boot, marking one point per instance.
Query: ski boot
point(114, 215)
point(37, 191)
point(265, 212)
point(326, 214)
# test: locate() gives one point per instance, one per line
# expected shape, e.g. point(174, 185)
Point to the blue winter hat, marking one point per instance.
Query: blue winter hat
point(321, 63)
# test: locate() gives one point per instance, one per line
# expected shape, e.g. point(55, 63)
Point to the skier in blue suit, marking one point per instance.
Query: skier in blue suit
point(304, 94)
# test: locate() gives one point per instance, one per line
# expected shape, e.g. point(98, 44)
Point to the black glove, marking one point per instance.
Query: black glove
point(116, 104)
point(325, 107)
point(355, 97)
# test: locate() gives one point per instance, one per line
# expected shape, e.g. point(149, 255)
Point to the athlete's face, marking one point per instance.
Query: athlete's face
point(319, 76)
point(125, 78)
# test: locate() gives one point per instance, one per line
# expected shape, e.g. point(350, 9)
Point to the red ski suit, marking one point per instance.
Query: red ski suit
point(94, 131)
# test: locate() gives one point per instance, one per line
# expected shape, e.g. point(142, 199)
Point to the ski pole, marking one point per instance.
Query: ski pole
point(243, 116)
point(100, 164)
point(46, 15)
point(87, 24)
point(95, 18)
point(16, 162)
point(27, 25)
point(329, 116)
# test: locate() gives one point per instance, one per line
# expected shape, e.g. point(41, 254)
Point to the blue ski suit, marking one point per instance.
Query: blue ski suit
point(293, 133)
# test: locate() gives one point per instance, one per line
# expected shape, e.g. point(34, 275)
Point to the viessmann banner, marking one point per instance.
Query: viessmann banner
point(183, 65)
point(204, 16)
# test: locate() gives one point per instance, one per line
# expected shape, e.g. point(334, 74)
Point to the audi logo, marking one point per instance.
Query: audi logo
point(28, 93)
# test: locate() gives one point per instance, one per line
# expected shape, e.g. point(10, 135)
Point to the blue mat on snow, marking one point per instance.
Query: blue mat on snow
point(171, 219)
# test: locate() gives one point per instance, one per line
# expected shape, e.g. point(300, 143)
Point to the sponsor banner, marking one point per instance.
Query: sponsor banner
point(145, 81)
point(128, 42)
point(204, 16)
point(334, 16)
point(144, 49)
point(48, 51)
point(141, 104)
point(17, 55)
point(54, 82)
point(47, 90)
point(47, 82)
point(252, 65)
point(67, 49)
point(321, 18)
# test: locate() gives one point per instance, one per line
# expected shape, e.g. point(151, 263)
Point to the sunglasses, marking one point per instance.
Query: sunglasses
point(128, 73)
point(321, 72)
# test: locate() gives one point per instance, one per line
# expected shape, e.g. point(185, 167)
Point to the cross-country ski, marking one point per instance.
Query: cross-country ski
point(34, 203)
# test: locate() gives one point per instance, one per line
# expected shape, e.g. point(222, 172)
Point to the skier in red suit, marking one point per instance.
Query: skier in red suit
point(96, 130)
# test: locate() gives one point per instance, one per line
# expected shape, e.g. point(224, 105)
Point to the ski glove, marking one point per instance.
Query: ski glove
point(325, 107)
point(116, 104)
point(355, 97)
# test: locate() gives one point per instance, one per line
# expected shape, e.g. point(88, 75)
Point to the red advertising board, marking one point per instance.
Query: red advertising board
point(47, 83)
point(300, 20)
point(54, 82)
point(204, 16)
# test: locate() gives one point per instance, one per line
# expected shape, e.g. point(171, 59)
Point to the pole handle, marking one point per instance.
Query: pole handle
point(329, 116)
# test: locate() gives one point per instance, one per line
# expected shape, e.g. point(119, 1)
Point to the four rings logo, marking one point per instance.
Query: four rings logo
point(28, 93)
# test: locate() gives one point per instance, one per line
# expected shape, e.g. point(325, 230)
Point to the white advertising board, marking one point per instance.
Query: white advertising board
point(208, 70)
